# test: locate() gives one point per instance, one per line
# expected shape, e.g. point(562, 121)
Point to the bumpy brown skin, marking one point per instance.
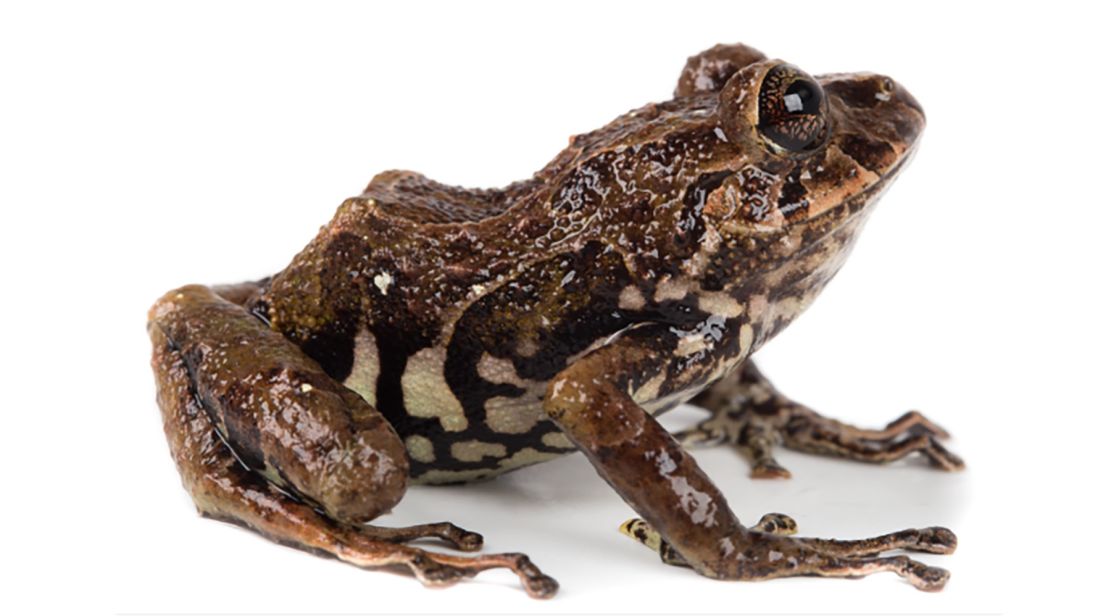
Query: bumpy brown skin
point(484, 330)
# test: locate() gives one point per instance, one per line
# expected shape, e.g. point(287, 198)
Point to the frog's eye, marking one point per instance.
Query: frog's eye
point(792, 109)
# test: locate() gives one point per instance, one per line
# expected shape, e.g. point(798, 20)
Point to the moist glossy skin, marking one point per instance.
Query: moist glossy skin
point(492, 329)
point(466, 303)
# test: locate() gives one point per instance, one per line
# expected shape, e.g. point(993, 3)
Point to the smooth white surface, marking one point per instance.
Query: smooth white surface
point(148, 145)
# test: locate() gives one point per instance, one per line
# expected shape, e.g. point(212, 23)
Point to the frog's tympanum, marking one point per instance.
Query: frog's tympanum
point(436, 334)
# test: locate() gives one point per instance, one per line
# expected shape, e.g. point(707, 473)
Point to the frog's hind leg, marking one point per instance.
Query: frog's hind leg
point(225, 486)
point(747, 410)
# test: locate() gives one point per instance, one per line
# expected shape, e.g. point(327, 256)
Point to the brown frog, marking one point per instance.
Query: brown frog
point(436, 334)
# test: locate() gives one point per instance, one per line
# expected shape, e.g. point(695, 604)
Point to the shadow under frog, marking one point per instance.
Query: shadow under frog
point(437, 334)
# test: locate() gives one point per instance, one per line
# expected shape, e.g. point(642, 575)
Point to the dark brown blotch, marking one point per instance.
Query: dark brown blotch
point(856, 93)
point(876, 156)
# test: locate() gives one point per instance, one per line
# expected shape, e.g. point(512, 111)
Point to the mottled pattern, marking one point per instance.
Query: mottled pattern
point(447, 334)
point(746, 410)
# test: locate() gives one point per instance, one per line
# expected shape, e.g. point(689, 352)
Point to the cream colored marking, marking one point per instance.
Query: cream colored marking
point(710, 243)
point(272, 475)
point(631, 298)
point(363, 379)
point(426, 393)
point(382, 281)
point(691, 343)
point(305, 388)
point(671, 288)
point(498, 370)
point(420, 449)
point(747, 336)
point(786, 308)
point(825, 196)
point(757, 307)
point(527, 347)
point(511, 415)
point(649, 390)
point(557, 439)
point(720, 303)
point(474, 450)
point(515, 415)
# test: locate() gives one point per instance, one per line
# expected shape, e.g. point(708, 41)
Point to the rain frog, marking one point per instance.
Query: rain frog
point(434, 334)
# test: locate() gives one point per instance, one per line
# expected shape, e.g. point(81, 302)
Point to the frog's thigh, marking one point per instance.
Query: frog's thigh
point(685, 517)
point(279, 411)
point(222, 487)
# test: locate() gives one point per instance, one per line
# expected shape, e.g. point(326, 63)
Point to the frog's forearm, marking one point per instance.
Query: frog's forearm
point(279, 411)
point(636, 455)
point(687, 519)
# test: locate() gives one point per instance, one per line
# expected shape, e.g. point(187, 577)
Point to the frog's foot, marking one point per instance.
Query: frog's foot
point(771, 523)
point(224, 487)
point(746, 410)
point(777, 555)
point(458, 538)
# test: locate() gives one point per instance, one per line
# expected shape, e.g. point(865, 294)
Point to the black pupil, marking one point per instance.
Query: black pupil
point(802, 97)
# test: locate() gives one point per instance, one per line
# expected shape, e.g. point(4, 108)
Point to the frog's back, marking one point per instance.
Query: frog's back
point(413, 197)
point(441, 308)
point(449, 309)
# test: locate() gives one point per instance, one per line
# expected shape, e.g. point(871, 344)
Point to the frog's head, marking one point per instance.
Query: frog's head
point(801, 157)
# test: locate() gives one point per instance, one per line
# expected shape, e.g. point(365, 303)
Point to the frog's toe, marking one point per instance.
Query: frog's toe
point(432, 573)
point(768, 468)
point(468, 541)
point(747, 411)
point(940, 457)
point(932, 579)
point(920, 575)
point(913, 422)
point(541, 587)
point(776, 524)
point(456, 537)
point(936, 540)
point(536, 583)
point(770, 556)
point(639, 530)
point(924, 577)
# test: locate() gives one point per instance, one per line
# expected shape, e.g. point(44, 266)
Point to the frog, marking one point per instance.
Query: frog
point(434, 334)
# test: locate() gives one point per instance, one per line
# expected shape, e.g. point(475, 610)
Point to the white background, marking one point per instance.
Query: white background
point(148, 145)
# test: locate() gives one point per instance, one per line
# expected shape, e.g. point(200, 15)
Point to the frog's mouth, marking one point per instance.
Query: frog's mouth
point(850, 212)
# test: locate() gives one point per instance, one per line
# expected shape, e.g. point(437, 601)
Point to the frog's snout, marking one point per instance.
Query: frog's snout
point(903, 96)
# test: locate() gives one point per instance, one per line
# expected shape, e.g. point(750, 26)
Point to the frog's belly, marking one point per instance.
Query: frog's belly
point(481, 454)
point(449, 440)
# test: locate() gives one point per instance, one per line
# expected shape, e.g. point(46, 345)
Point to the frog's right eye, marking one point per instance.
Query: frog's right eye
point(792, 109)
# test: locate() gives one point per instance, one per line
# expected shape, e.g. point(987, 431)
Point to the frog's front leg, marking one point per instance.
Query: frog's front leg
point(264, 438)
point(591, 401)
point(747, 410)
